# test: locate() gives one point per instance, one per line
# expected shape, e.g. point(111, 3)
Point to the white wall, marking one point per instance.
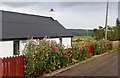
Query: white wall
point(6, 48)
point(67, 42)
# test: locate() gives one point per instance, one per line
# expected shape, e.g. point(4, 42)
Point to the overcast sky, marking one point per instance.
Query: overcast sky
point(72, 15)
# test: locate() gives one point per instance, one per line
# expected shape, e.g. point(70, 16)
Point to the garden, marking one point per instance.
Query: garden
point(45, 56)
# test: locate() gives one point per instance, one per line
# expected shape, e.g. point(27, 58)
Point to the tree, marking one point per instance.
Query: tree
point(98, 33)
point(117, 22)
point(113, 32)
point(118, 28)
point(100, 27)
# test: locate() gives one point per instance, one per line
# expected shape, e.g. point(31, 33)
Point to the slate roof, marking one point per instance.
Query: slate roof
point(21, 26)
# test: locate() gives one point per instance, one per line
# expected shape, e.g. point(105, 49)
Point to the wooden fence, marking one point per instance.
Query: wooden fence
point(12, 66)
point(90, 49)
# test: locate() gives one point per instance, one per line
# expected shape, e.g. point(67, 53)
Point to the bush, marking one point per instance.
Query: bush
point(102, 46)
point(44, 56)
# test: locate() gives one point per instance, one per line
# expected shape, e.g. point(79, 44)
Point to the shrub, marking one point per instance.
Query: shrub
point(43, 56)
point(102, 46)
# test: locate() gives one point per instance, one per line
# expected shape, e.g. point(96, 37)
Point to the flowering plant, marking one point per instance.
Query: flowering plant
point(43, 56)
point(102, 46)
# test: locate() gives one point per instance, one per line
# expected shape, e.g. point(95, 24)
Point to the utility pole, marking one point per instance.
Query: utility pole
point(106, 20)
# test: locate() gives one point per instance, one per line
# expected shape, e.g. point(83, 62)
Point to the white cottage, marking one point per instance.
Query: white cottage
point(18, 27)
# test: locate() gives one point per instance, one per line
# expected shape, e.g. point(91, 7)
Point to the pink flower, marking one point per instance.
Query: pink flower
point(81, 49)
point(45, 39)
point(36, 52)
point(69, 56)
point(56, 49)
point(33, 44)
point(65, 50)
point(26, 56)
point(48, 41)
point(58, 52)
point(51, 46)
point(41, 41)
point(35, 60)
point(53, 41)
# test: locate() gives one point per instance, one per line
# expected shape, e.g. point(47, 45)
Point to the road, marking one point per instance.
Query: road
point(106, 65)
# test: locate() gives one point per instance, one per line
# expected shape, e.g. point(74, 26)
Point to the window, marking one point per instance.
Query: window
point(60, 40)
point(16, 47)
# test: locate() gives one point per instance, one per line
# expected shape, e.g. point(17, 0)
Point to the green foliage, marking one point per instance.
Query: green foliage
point(102, 46)
point(112, 33)
point(97, 48)
point(98, 33)
point(76, 53)
point(44, 56)
point(117, 22)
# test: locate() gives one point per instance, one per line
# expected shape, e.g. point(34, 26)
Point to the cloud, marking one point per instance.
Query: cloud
point(19, 4)
point(70, 14)
point(81, 5)
point(58, 0)
point(72, 4)
point(81, 20)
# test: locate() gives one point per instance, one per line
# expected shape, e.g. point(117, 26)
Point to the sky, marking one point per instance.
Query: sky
point(72, 15)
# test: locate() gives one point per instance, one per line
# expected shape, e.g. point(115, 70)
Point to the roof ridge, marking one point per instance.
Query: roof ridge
point(26, 14)
point(79, 29)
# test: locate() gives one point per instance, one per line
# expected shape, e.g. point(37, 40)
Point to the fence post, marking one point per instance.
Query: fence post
point(11, 70)
point(12, 66)
point(3, 61)
point(1, 69)
point(6, 67)
point(23, 65)
point(20, 62)
point(23, 62)
point(17, 66)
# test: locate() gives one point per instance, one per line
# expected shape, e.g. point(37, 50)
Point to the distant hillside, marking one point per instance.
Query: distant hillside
point(80, 32)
